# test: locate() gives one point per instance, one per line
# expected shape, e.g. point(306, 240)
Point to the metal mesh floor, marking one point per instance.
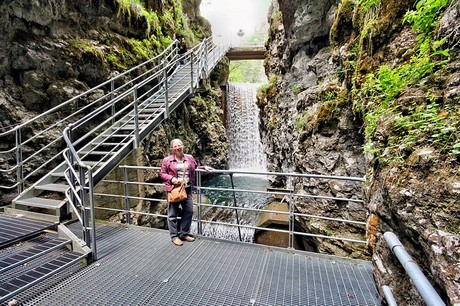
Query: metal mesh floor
point(139, 266)
point(13, 228)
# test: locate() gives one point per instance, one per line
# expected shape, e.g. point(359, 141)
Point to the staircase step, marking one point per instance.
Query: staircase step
point(102, 153)
point(92, 163)
point(132, 127)
point(12, 287)
point(31, 215)
point(41, 203)
point(146, 116)
point(113, 144)
point(53, 187)
point(57, 174)
point(32, 253)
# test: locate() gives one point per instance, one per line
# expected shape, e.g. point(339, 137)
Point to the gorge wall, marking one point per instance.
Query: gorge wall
point(371, 88)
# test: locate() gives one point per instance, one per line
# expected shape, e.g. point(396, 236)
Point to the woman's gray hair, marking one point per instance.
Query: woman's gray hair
point(172, 141)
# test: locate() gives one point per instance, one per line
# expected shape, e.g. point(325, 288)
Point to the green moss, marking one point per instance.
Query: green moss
point(343, 16)
point(81, 46)
point(328, 232)
point(296, 89)
point(332, 100)
point(267, 91)
point(275, 20)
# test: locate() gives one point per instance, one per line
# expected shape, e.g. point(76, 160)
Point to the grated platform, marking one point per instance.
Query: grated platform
point(14, 228)
point(139, 266)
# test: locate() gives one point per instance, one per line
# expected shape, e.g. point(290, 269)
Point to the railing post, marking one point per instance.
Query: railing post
point(198, 184)
point(234, 205)
point(136, 120)
point(165, 74)
point(127, 203)
point(93, 217)
point(19, 169)
point(191, 73)
point(112, 95)
point(85, 218)
point(291, 213)
point(72, 177)
point(205, 60)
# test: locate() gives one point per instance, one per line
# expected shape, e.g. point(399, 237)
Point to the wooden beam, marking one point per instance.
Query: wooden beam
point(246, 53)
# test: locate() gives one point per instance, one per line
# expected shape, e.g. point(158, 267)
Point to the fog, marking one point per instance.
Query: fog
point(230, 17)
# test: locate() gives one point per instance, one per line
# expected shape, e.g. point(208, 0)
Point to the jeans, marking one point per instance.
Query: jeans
point(180, 228)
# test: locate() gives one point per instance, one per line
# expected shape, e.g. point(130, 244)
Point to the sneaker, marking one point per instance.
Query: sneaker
point(177, 241)
point(189, 238)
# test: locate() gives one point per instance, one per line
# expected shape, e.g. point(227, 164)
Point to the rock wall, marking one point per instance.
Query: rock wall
point(306, 111)
point(320, 109)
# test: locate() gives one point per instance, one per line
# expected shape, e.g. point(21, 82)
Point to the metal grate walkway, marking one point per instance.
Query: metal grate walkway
point(140, 266)
point(13, 228)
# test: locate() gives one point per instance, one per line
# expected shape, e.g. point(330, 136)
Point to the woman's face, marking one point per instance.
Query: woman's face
point(177, 146)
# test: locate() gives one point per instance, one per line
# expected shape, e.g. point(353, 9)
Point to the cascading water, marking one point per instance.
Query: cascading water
point(245, 147)
point(245, 153)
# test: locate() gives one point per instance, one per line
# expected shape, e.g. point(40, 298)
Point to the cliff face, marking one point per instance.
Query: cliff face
point(361, 88)
point(306, 111)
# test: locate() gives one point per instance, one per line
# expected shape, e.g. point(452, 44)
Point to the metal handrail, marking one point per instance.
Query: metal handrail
point(424, 287)
point(200, 205)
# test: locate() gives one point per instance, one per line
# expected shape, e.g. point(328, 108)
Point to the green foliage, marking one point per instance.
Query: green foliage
point(273, 79)
point(168, 21)
point(82, 46)
point(296, 89)
point(153, 23)
point(328, 232)
point(424, 17)
point(275, 20)
point(367, 5)
point(248, 71)
point(429, 123)
point(301, 121)
point(129, 8)
point(264, 88)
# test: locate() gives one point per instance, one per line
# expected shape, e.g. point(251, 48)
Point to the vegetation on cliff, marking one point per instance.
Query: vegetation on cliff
point(155, 27)
point(398, 68)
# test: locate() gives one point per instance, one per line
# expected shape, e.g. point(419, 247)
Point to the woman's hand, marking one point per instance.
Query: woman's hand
point(207, 168)
point(174, 181)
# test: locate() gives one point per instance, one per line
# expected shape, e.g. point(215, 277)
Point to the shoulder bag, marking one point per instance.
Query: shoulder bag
point(178, 193)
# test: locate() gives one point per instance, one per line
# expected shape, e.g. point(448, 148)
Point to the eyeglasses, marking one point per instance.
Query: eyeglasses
point(178, 146)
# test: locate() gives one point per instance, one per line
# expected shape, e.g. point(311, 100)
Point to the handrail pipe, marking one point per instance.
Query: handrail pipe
point(424, 287)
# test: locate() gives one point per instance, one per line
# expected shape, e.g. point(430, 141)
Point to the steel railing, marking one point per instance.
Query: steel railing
point(424, 287)
point(292, 194)
point(138, 96)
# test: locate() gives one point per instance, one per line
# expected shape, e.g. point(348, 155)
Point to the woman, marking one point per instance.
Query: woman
point(175, 169)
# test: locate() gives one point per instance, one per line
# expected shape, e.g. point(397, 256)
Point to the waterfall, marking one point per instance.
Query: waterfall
point(245, 147)
point(245, 153)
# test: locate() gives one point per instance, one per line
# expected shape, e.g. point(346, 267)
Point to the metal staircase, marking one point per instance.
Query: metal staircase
point(123, 118)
